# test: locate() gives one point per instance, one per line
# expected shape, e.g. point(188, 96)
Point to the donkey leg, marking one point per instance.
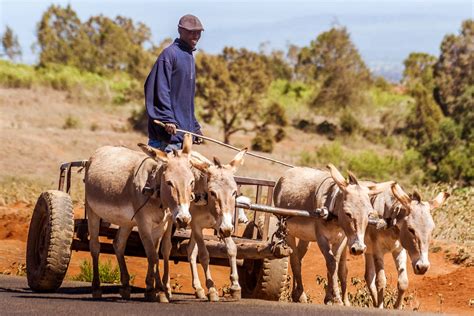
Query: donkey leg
point(332, 290)
point(160, 287)
point(192, 258)
point(342, 273)
point(145, 232)
point(166, 251)
point(380, 279)
point(204, 259)
point(400, 258)
point(235, 289)
point(93, 223)
point(370, 277)
point(297, 294)
point(120, 242)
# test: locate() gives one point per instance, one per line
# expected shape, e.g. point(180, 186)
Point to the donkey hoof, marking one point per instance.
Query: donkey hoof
point(150, 296)
point(303, 298)
point(125, 292)
point(97, 294)
point(162, 298)
point(200, 294)
point(236, 294)
point(213, 296)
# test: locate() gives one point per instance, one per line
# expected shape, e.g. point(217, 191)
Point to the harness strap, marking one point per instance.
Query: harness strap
point(135, 213)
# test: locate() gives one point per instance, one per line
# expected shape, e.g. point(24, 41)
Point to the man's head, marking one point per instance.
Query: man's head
point(190, 28)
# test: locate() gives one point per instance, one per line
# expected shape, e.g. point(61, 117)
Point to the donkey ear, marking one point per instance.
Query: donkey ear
point(238, 159)
point(153, 153)
point(439, 200)
point(416, 196)
point(379, 187)
point(352, 178)
point(199, 164)
point(337, 177)
point(187, 143)
point(401, 196)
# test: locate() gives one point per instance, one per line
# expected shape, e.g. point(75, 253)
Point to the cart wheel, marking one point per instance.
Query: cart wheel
point(266, 278)
point(48, 250)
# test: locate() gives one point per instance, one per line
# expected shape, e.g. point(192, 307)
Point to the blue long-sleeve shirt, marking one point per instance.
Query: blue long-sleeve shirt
point(169, 92)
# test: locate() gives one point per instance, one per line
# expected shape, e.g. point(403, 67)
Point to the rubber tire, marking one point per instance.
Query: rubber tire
point(50, 235)
point(268, 277)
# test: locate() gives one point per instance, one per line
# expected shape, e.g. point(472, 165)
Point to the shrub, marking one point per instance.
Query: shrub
point(263, 142)
point(71, 122)
point(107, 273)
point(349, 124)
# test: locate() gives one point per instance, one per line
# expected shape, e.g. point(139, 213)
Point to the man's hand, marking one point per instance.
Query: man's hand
point(198, 140)
point(170, 128)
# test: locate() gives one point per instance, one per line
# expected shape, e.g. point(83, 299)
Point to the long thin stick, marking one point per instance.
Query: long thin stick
point(227, 145)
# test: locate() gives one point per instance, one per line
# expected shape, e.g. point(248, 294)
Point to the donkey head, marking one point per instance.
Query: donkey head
point(222, 190)
point(177, 180)
point(353, 216)
point(416, 225)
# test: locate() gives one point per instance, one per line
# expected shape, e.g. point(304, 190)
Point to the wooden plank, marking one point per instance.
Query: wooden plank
point(254, 181)
point(266, 224)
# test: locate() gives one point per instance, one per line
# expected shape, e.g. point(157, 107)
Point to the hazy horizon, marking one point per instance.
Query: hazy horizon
point(384, 31)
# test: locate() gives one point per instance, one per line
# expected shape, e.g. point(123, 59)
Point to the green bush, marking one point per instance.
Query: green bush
point(368, 164)
point(263, 142)
point(107, 273)
point(82, 85)
point(71, 122)
point(349, 124)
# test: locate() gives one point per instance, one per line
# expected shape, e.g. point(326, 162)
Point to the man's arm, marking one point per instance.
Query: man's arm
point(159, 84)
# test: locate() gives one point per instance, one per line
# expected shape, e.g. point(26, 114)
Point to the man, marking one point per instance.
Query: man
point(170, 88)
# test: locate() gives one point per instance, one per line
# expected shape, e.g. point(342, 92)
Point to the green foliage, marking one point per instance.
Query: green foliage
point(419, 71)
point(79, 84)
point(293, 96)
point(454, 70)
point(10, 44)
point(367, 164)
point(231, 88)
point(100, 45)
point(349, 124)
point(107, 273)
point(333, 60)
point(263, 141)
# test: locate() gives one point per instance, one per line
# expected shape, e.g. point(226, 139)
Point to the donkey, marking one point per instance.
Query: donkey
point(117, 186)
point(217, 180)
point(308, 189)
point(411, 225)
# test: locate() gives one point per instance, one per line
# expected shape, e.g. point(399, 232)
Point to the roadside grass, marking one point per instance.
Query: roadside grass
point(108, 273)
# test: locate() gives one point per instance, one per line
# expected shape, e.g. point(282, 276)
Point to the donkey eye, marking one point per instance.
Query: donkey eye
point(234, 194)
point(192, 183)
point(411, 230)
point(169, 183)
point(349, 214)
point(213, 194)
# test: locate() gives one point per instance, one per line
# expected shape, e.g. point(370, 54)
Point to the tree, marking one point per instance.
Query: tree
point(454, 70)
point(10, 44)
point(419, 71)
point(441, 128)
point(333, 61)
point(57, 32)
point(231, 88)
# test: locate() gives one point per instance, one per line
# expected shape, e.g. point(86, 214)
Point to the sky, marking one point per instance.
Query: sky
point(384, 31)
